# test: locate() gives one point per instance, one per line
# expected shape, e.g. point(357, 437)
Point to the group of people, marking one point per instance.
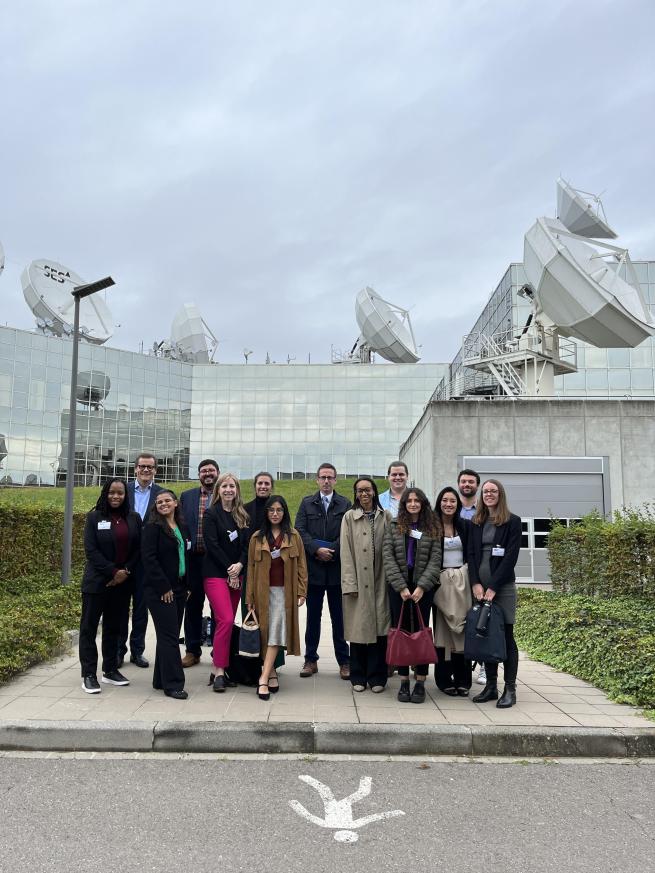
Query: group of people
point(384, 560)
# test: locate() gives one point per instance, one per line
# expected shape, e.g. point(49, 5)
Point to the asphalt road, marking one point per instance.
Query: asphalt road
point(200, 816)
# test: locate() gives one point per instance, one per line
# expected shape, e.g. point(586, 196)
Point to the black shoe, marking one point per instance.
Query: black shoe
point(90, 684)
point(489, 692)
point(463, 692)
point(451, 691)
point(177, 695)
point(219, 684)
point(228, 682)
point(509, 696)
point(139, 660)
point(114, 678)
point(418, 692)
point(403, 693)
point(263, 696)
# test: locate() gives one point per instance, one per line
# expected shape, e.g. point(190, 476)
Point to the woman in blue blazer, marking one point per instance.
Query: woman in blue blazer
point(164, 555)
point(493, 550)
point(112, 539)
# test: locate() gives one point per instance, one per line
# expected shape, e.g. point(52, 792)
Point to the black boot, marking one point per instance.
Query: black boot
point(509, 696)
point(403, 693)
point(489, 692)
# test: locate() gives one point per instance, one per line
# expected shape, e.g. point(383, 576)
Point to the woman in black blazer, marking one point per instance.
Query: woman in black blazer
point(493, 550)
point(452, 599)
point(164, 550)
point(112, 539)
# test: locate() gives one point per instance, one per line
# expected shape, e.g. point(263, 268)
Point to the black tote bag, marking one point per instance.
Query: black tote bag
point(489, 648)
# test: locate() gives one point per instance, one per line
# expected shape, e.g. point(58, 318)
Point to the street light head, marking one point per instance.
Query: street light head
point(81, 291)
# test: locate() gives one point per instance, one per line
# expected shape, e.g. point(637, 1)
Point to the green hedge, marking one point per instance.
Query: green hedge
point(31, 541)
point(605, 558)
point(35, 612)
point(609, 642)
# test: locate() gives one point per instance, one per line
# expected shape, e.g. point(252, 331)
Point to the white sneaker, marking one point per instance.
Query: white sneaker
point(482, 676)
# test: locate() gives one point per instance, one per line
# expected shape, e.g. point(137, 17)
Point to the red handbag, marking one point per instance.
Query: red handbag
point(405, 649)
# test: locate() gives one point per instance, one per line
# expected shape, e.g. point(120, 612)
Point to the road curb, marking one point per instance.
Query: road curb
point(342, 739)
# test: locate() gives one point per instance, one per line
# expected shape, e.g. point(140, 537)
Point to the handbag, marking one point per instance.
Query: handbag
point(405, 649)
point(485, 645)
point(249, 636)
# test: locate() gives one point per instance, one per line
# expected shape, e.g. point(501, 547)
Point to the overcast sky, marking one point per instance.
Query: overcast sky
point(266, 160)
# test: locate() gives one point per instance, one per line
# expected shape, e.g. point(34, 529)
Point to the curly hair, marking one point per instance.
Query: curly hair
point(428, 523)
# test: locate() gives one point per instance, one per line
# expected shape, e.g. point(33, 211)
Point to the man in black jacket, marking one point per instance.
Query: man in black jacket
point(319, 524)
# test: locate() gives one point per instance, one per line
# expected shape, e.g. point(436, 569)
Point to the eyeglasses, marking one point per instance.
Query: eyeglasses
point(490, 491)
point(145, 466)
point(326, 478)
point(364, 491)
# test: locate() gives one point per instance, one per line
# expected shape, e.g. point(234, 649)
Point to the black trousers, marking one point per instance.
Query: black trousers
point(112, 604)
point(194, 606)
point(315, 596)
point(368, 664)
point(455, 673)
point(511, 663)
point(139, 617)
point(167, 618)
point(410, 619)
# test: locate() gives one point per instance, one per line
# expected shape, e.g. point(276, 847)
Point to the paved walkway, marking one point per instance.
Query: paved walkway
point(546, 698)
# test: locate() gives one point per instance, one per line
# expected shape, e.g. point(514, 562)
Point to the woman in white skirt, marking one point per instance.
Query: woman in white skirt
point(277, 586)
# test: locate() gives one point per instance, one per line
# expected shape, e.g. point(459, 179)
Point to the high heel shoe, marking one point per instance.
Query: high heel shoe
point(263, 696)
point(273, 688)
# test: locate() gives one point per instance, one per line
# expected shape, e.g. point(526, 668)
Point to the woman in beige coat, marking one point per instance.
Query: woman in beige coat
point(277, 586)
point(366, 613)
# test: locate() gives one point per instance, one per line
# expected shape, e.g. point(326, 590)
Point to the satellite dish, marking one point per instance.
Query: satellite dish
point(580, 215)
point(191, 336)
point(2, 259)
point(47, 288)
point(385, 328)
point(92, 388)
point(582, 294)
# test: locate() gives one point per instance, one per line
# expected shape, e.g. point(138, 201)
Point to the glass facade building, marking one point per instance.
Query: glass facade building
point(284, 418)
point(601, 372)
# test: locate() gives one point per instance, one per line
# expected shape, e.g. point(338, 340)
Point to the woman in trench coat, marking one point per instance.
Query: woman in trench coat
point(276, 587)
point(366, 615)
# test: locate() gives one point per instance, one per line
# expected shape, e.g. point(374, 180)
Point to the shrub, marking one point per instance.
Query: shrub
point(35, 611)
point(609, 642)
point(605, 558)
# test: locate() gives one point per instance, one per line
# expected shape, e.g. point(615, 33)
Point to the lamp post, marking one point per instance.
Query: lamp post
point(78, 292)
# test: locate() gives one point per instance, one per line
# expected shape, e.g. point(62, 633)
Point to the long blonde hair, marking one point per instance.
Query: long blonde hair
point(502, 509)
point(239, 514)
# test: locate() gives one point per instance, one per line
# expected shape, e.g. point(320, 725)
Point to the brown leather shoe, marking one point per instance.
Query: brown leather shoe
point(344, 671)
point(309, 668)
point(190, 660)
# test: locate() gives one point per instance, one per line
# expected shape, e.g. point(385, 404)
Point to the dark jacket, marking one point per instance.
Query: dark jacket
point(154, 491)
point(100, 550)
point(161, 559)
point(190, 508)
point(255, 510)
point(427, 561)
point(508, 536)
point(220, 551)
point(313, 525)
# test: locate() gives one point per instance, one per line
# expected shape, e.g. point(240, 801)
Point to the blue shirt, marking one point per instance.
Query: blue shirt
point(467, 512)
point(141, 498)
point(389, 503)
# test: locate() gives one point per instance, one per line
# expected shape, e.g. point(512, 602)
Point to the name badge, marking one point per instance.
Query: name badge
point(415, 534)
point(276, 553)
point(232, 534)
point(188, 545)
point(104, 525)
point(498, 551)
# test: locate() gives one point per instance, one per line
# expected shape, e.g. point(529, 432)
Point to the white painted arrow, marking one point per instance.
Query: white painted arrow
point(339, 813)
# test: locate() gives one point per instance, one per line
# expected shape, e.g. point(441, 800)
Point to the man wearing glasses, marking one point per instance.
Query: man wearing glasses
point(319, 524)
point(141, 493)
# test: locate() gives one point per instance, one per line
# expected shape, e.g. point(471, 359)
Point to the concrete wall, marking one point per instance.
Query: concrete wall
point(623, 430)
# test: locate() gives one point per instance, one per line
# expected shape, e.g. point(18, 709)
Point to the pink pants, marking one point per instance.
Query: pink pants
point(224, 601)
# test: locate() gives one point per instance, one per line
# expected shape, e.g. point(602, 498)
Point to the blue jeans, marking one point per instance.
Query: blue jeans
point(315, 595)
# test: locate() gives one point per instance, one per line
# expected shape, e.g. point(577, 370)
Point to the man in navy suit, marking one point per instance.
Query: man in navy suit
point(193, 504)
point(141, 493)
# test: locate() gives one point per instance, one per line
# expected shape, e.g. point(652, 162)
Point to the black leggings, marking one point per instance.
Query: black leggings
point(511, 662)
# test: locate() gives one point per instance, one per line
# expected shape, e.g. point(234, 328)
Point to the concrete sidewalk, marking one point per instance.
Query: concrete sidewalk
point(554, 712)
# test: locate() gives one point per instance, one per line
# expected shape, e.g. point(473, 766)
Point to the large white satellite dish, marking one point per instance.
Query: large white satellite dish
point(385, 328)
point(47, 288)
point(582, 212)
point(191, 337)
point(580, 292)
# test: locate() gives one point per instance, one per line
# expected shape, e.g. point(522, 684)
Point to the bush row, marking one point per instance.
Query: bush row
point(35, 612)
point(609, 642)
point(31, 541)
point(605, 558)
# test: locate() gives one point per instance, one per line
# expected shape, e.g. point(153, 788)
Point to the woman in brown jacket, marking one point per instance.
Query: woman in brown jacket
point(276, 587)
